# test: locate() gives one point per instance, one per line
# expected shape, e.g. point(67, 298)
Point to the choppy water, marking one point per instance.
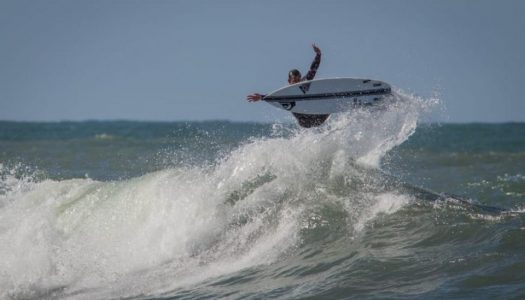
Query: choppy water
point(371, 205)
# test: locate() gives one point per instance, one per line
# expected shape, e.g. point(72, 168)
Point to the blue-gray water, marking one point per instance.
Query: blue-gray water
point(372, 205)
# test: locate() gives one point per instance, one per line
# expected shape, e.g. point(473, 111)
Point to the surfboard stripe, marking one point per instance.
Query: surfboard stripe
point(384, 91)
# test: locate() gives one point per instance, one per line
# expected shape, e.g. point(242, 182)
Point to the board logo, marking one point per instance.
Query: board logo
point(288, 105)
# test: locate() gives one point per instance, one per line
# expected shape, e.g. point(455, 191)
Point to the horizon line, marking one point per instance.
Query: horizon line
point(227, 120)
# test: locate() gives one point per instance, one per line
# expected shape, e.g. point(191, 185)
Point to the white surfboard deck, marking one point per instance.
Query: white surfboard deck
point(331, 95)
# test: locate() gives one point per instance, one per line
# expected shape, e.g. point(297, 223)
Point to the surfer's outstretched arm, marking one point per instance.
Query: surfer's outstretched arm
point(254, 97)
point(315, 64)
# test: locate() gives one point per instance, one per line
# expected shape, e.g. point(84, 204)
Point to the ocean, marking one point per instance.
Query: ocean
point(375, 204)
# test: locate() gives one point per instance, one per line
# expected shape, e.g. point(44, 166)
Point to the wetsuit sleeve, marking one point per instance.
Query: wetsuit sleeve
point(313, 67)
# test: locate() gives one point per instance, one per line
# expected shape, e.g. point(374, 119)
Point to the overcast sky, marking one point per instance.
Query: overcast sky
point(197, 60)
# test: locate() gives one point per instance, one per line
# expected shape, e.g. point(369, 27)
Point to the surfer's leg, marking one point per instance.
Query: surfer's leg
point(308, 121)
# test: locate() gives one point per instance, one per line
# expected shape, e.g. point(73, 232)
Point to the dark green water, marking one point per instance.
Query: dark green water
point(245, 210)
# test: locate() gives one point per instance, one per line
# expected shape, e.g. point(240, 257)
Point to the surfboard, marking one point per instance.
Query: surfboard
point(327, 96)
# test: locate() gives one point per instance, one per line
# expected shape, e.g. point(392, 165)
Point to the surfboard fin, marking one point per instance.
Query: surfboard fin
point(308, 121)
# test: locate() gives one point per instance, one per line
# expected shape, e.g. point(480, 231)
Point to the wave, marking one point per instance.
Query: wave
point(271, 199)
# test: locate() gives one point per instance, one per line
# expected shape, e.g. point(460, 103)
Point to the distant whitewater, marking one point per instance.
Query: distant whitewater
point(102, 210)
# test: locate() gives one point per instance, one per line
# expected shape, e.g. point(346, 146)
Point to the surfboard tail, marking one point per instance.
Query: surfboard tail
point(308, 121)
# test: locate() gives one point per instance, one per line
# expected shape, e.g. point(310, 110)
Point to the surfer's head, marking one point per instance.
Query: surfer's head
point(294, 76)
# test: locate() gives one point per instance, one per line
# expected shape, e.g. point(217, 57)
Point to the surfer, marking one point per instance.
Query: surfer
point(294, 76)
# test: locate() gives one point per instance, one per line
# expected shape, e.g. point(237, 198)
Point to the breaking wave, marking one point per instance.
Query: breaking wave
point(274, 201)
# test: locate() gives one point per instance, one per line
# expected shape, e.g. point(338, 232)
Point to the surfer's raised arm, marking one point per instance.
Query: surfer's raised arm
point(315, 64)
point(294, 76)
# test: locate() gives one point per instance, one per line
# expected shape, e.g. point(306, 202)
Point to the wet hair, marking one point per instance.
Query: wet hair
point(294, 72)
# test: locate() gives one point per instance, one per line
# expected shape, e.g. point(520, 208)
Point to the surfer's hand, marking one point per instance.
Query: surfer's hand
point(316, 49)
point(254, 97)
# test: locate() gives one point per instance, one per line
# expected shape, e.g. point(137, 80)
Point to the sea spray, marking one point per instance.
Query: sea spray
point(179, 226)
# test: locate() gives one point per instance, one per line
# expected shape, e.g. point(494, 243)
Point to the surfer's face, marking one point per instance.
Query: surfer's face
point(294, 79)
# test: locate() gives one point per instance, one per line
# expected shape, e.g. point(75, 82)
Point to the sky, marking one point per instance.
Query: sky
point(197, 60)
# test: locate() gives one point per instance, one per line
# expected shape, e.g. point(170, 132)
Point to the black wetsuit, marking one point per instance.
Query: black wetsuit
point(313, 68)
point(306, 120)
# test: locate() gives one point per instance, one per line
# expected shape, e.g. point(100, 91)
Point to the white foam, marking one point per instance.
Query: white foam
point(386, 203)
point(180, 226)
